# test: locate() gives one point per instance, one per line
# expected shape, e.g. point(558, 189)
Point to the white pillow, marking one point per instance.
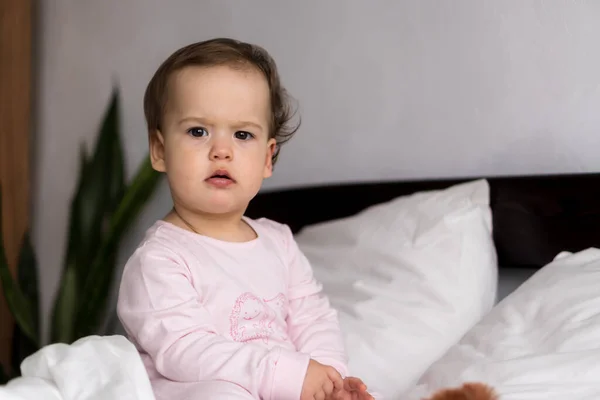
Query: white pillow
point(540, 342)
point(409, 278)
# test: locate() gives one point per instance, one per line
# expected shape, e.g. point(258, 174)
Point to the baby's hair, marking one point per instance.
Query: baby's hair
point(217, 52)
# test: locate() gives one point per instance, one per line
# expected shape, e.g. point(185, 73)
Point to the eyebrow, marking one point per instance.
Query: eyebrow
point(237, 124)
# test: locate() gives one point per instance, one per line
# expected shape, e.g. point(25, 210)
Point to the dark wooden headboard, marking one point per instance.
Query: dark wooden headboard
point(534, 217)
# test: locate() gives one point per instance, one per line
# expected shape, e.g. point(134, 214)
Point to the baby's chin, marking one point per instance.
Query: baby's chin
point(222, 207)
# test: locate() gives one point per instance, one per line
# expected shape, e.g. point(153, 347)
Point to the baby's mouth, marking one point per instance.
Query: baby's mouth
point(220, 178)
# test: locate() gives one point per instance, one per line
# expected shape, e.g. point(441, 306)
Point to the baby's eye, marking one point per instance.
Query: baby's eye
point(243, 135)
point(197, 131)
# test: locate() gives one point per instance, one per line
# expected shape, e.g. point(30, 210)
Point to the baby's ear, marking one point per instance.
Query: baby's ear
point(157, 151)
point(271, 147)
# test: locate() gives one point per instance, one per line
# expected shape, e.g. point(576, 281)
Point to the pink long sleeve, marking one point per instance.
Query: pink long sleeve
point(159, 308)
point(312, 323)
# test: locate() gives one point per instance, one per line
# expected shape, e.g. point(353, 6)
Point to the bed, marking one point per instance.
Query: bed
point(437, 282)
point(534, 217)
point(514, 227)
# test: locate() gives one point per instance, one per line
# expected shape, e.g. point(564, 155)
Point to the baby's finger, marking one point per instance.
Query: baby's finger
point(351, 383)
point(339, 393)
point(328, 387)
point(335, 377)
point(365, 396)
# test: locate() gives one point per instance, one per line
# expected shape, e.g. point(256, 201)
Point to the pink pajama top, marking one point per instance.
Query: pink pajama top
point(251, 313)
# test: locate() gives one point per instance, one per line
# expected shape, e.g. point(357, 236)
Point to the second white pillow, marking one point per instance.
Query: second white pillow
point(409, 278)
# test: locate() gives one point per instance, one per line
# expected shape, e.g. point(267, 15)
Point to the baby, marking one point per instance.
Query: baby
point(221, 306)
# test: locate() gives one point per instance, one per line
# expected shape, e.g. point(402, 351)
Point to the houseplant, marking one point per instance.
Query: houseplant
point(101, 210)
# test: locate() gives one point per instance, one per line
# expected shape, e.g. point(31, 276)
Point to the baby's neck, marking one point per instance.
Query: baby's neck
point(226, 227)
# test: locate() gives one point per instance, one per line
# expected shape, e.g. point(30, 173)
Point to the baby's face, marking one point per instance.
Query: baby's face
point(215, 145)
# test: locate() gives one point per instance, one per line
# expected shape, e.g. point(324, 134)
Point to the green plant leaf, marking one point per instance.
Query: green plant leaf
point(4, 377)
point(101, 272)
point(27, 277)
point(100, 186)
point(22, 347)
point(65, 306)
point(116, 183)
point(103, 313)
point(63, 323)
point(112, 322)
point(19, 305)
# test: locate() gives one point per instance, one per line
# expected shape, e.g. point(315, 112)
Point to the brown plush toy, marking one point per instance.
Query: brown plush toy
point(468, 391)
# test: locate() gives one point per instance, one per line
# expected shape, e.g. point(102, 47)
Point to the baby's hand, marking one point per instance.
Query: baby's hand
point(320, 382)
point(353, 389)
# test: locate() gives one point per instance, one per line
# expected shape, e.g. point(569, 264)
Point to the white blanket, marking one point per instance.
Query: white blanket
point(542, 342)
point(93, 368)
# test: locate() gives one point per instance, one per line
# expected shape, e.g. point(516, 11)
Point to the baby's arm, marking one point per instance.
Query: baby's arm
point(160, 309)
point(312, 323)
